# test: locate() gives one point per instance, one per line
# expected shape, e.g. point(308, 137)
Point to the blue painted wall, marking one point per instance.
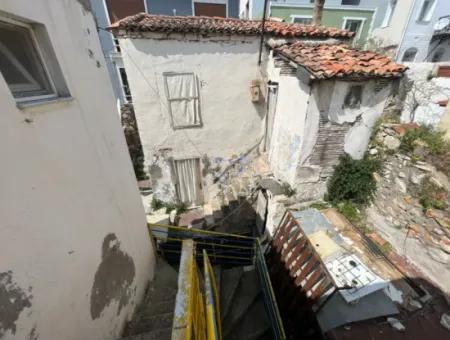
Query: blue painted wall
point(106, 41)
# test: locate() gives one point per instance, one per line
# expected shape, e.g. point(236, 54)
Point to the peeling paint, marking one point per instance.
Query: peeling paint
point(113, 278)
point(13, 300)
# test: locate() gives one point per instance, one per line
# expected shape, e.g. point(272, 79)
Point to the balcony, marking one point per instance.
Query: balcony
point(442, 28)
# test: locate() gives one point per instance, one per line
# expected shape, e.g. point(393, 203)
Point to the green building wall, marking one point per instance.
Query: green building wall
point(330, 17)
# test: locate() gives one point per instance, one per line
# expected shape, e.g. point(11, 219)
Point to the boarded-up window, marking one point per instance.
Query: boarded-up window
point(353, 97)
point(119, 9)
point(210, 10)
point(443, 71)
point(182, 92)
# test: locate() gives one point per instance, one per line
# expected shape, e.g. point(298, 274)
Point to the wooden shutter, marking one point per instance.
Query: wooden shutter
point(119, 9)
point(210, 10)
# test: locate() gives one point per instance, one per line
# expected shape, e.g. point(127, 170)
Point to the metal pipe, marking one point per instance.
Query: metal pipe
point(263, 29)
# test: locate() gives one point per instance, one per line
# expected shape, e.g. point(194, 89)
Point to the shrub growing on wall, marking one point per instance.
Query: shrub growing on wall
point(353, 180)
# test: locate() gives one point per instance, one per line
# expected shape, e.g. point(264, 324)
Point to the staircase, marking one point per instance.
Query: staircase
point(153, 318)
point(242, 306)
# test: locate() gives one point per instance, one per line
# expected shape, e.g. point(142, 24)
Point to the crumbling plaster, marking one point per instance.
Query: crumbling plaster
point(232, 123)
point(67, 182)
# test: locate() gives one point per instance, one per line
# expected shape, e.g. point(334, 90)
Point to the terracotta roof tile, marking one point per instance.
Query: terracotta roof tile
point(331, 61)
point(144, 22)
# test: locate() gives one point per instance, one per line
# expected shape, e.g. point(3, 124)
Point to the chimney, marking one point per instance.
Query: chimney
point(318, 8)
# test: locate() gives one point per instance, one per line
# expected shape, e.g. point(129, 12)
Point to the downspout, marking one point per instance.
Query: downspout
point(263, 29)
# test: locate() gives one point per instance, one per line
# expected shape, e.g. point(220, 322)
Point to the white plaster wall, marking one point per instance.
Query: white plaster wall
point(66, 183)
point(289, 126)
point(232, 123)
point(392, 34)
point(421, 102)
point(357, 138)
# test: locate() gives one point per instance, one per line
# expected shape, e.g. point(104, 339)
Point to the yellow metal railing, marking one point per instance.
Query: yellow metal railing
point(213, 324)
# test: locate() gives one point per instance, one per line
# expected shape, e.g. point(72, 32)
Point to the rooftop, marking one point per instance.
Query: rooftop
point(339, 61)
point(144, 22)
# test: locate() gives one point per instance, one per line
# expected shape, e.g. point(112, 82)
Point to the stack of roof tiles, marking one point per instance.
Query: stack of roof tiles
point(144, 22)
point(338, 61)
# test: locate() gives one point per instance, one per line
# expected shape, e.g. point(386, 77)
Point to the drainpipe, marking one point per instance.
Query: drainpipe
point(263, 29)
point(318, 9)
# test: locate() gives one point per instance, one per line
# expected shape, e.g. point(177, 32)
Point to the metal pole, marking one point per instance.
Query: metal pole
point(263, 28)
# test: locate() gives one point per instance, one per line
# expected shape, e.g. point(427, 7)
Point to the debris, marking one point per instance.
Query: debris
point(391, 142)
point(396, 324)
point(401, 174)
point(373, 151)
point(445, 321)
point(401, 185)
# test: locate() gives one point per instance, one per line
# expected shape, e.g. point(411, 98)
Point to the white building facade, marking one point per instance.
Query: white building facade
point(75, 255)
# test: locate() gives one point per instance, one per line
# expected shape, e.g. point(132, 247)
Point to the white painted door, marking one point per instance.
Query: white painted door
point(189, 181)
point(272, 96)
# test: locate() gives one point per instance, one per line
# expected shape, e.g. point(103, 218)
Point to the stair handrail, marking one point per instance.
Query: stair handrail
point(270, 303)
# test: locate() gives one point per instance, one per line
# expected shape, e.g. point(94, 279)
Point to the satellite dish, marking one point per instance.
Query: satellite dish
point(442, 23)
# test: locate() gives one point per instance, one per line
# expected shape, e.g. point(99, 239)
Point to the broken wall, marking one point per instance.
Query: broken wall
point(231, 123)
point(75, 255)
point(313, 126)
point(424, 92)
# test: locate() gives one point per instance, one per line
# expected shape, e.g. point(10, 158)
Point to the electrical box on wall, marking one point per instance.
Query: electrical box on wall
point(255, 90)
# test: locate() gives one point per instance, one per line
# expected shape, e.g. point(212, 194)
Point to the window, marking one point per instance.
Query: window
point(21, 63)
point(409, 55)
point(426, 10)
point(437, 56)
point(389, 13)
point(350, 2)
point(354, 25)
point(119, 9)
point(125, 86)
point(302, 19)
point(182, 92)
point(353, 97)
point(210, 9)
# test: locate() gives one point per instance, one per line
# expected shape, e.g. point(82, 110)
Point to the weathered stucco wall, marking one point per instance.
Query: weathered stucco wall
point(421, 104)
point(288, 127)
point(313, 127)
point(232, 123)
point(75, 255)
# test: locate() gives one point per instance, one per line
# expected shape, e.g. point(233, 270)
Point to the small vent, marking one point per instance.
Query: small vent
point(381, 84)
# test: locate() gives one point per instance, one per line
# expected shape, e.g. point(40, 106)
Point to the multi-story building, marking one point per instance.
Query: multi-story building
point(110, 11)
point(412, 30)
point(359, 16)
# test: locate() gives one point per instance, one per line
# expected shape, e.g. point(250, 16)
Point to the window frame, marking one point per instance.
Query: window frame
point(350, 87)
point(359, 3)
point(415, 55)
point(361, 19)
point(429, 14)
point(40, 56)
point(170, 100)
point(392, 5)
point(301, 16)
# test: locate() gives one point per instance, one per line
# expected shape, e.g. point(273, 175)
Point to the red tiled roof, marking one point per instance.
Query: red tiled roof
point(338, 61)
point(144, 22)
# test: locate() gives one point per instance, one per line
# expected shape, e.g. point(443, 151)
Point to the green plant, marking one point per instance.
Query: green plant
point(157, 204)
point(431, 195)
point(353, 180)
point(350, 211)
point(432, 139)
point(319, 205)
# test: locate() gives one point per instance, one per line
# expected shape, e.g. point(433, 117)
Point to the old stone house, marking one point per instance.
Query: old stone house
point(201, 98)
point(327, 99)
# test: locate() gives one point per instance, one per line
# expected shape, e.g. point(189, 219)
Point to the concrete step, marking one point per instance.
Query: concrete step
point(253, 325)
point(159, 307)
point(230, 279)
point(154, 322)
point(160, 334)
point(246, 293)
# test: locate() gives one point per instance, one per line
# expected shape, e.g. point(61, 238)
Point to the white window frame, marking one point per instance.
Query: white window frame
point(217, 2)
point(429, 14)
point(363, 22)
point(169, 100)
point(34, 41)
point(300, 16)
point(389, 13)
